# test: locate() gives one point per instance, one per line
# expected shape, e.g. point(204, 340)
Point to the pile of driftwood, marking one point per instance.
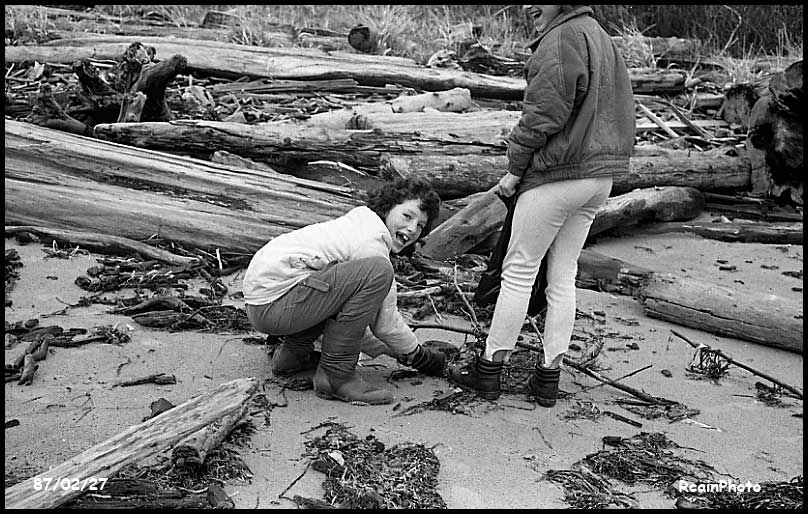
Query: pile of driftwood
point(181, 149)
point(118, 140)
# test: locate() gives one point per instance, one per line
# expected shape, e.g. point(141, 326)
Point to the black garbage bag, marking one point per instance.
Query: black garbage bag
point(488, 288)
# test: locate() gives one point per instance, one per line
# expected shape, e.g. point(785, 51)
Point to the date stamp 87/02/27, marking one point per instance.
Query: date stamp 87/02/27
point(69, 484)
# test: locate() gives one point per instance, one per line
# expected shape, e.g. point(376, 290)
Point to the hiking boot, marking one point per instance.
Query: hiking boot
point(543, 385)
point(426, 360)
point(348, 388)
point(481, 376)
point(288, 359)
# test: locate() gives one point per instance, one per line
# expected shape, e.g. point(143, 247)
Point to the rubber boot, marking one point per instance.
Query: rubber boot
point(296, 352)
point(543, 385)
point(482, 377)
point(427, 361)
point(289, 359)
point(336, 377)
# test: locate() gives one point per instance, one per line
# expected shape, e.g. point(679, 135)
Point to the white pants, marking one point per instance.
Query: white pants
point(551, 219)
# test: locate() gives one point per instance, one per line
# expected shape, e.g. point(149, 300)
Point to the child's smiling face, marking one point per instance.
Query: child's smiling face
point(405, 222)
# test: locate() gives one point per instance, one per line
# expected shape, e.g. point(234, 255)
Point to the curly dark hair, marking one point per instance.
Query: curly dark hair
point(384, 198)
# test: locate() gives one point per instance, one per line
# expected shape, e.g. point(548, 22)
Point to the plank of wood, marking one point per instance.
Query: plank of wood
point(644, 126)
point(657, 121)
point(132, 445)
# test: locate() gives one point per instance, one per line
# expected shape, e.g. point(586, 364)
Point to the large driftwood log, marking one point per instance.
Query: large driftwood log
point(663, 204)
point(758, 317)
point(228, 60)
point(329, 172)
point(133, 445)
point(484, 215)
point(600, 272)
point(62, 181)
point(729, 231)
point(466, 229)
point(456, 164)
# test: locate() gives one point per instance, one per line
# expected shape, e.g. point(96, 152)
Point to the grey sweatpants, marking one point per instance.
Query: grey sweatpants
point(344, 292)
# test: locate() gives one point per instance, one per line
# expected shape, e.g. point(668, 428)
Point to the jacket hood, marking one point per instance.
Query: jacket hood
point(578, 11)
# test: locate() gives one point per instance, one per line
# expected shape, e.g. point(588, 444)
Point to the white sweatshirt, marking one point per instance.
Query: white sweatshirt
point(289, 258)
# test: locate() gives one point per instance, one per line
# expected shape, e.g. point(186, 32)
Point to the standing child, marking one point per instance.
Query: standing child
point(576, 133)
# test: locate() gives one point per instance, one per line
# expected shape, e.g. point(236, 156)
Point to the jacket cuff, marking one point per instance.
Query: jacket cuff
point(519, 157)
point(519, 172)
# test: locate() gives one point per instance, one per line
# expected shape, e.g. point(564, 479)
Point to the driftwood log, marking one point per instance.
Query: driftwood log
point(484, 215)
point(104, 243)
point(758, 317)
point(135, 91)
point(67, 182)
point(133, 445)
point(234, 61)
point(776, 136)
point(190, 453)
point(660, 204)
point(467, 228)
point(456, 166)
point(329, 172)
point(786, 233)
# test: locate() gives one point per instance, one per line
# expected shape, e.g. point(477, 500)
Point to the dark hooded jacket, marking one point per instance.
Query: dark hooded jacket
point(578, 118)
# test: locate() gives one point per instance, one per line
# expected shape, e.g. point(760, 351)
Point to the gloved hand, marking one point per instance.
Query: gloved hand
point(430, 358)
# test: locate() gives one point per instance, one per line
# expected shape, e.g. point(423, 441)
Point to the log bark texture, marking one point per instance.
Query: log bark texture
point(466, 229)
point(484, 215)
point(663, 204)
point(105, 242)
point(459, 158)
point(134, 444)
point(758, 317)
point(62, 181)
point(731, 232)
point(229, 60)
point(776, 136)
point(191, 453)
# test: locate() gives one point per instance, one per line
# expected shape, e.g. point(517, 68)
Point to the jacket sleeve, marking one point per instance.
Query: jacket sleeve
point(549, 96)
point(390, 327)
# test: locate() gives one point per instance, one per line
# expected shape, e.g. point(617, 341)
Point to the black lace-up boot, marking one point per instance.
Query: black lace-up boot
point(543, 385)
point(481, 376)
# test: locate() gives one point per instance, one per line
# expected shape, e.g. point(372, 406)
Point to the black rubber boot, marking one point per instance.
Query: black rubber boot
point(290, 359)
point(482, 377)
point(296, 352)
point(336, 377)
point(543, 385)
point(427, 361)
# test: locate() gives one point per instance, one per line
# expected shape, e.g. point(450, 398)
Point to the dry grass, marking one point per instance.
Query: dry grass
point(637, 51)
point(28, 23)
point(418, 31)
